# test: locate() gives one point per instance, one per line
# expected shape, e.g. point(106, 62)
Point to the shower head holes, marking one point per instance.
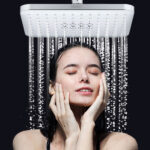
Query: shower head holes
point(46, 17)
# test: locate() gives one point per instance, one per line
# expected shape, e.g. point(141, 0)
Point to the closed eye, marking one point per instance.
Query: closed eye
point(95, 74)
point(71, 73)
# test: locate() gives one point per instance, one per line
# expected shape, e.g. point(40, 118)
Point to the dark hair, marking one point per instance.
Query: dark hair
point(50, 121)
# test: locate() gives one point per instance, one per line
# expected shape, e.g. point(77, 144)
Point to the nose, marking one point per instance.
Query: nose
point(84, 77)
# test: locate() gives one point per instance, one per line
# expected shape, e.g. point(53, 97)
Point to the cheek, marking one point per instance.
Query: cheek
point(67, 85)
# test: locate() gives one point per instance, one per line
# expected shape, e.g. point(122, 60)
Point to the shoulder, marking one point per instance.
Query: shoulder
point(108, 139)
point(29, 139)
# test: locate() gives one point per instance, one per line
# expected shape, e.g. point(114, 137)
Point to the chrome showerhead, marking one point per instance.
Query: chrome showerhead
point(77, 20)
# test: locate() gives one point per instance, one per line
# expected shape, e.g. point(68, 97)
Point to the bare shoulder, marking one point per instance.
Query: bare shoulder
point(29, 139)
point(118, 139)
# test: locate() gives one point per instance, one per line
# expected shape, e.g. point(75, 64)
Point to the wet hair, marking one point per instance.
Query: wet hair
point(50, 121)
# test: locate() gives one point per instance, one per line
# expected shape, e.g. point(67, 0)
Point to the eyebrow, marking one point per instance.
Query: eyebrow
point(76, 65)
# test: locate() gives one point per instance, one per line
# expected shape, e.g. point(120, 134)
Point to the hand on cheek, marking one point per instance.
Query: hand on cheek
point(99, 104)
point(60, 106)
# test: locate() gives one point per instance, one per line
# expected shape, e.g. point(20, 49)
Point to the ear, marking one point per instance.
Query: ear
point(51, 89)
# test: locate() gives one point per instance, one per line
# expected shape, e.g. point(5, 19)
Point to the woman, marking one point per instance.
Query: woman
point(75, 117)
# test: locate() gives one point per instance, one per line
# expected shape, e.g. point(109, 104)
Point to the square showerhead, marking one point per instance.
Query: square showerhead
point(77, 20)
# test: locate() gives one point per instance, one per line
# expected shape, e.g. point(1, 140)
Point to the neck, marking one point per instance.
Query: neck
point(78, 112)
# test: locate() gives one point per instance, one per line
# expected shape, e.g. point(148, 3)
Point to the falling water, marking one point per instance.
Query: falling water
point(40, 82)
point(114, 58)
point(31, 111)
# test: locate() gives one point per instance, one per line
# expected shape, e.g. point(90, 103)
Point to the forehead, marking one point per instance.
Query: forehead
point(79, 55)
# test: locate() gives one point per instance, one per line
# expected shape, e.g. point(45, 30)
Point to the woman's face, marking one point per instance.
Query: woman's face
point(77, 69)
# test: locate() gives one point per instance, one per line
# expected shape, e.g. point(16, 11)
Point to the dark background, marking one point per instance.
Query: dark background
point(14, 71)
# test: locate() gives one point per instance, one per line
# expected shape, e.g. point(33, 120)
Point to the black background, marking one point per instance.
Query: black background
point(14, 71)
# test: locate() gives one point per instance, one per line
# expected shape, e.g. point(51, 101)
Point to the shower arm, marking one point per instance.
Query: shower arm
point(77, 1)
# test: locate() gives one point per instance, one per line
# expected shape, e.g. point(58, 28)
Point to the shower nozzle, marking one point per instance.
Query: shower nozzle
point(59, 20)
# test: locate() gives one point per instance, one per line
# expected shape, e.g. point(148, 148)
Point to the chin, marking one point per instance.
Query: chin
point(81, 101)
point(82, 104)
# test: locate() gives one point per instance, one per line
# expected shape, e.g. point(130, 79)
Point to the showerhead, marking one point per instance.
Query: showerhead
point(77, 20)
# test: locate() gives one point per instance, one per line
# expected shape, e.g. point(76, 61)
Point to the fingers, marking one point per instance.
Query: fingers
point(100, 98)
point(61, 99)
point(59, 105)
point(58, 100)
point(53, 106)
point(106, 92)
point(67, 106)
point(105, 86)
point(101, 90)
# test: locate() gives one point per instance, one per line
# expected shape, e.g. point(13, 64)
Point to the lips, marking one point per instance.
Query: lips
point(85, 91)
point(84, 88)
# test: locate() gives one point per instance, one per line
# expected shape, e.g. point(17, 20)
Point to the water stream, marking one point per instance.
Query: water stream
point(114, 58)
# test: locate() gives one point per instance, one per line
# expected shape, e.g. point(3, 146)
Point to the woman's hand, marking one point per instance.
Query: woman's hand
point(99, 104)
point(63, 113)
